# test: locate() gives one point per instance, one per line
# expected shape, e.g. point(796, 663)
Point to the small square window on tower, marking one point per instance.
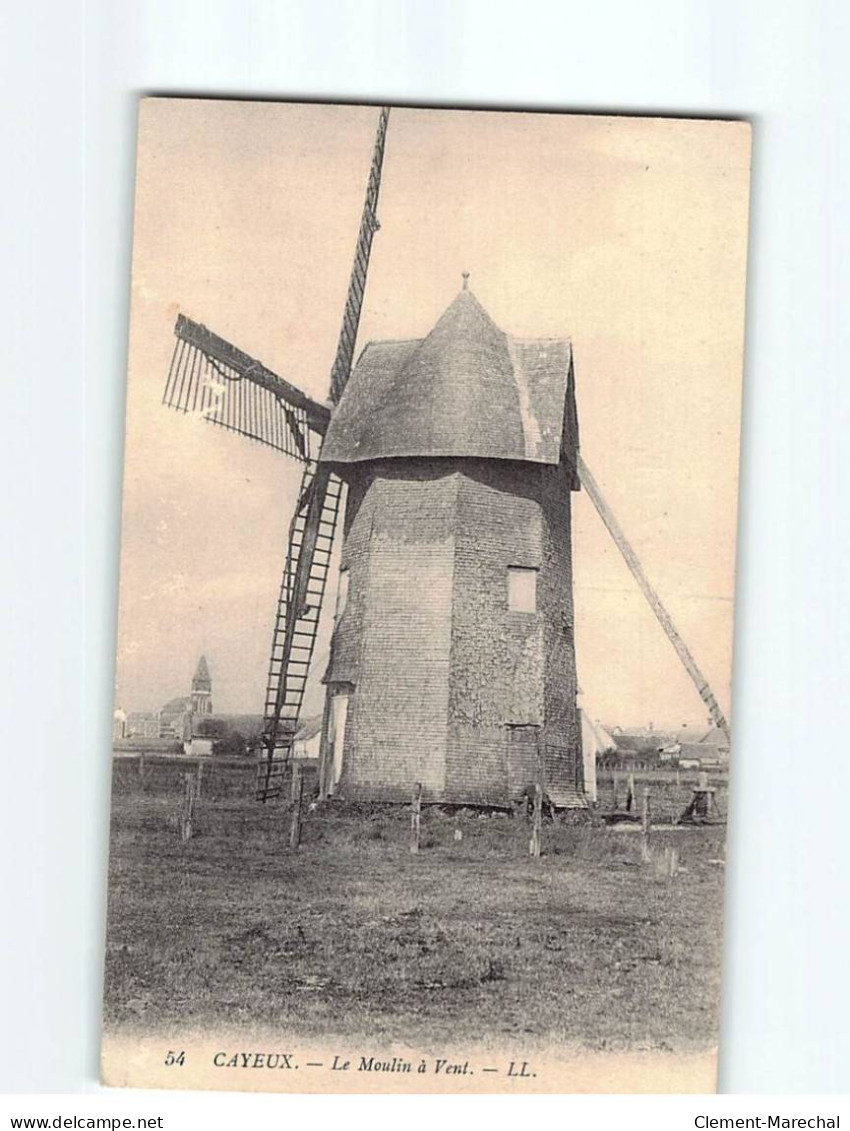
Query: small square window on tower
point(522, 589)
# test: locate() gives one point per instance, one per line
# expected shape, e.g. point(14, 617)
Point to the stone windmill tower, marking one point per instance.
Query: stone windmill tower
point(452, 659)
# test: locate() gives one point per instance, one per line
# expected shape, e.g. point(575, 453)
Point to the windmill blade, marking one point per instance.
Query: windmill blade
point(369, 224)
point(664, 619)
point(312, 532)
point(215, 381)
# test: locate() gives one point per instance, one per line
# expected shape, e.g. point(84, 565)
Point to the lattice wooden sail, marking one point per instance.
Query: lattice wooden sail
point(216, 382)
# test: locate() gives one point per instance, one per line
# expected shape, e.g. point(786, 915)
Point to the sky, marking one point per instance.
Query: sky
point(627, 235)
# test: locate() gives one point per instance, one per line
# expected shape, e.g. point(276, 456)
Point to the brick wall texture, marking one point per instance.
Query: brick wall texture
point(446, 685)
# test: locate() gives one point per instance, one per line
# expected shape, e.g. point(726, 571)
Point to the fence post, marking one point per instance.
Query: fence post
point(295, 828)
point(537, 821)
point(415, 818)
point(200, 778)
point(630, 794)
point(188, 808)
point(615, 804)
point(704, 807)
point(646, 821)
point(141, 767)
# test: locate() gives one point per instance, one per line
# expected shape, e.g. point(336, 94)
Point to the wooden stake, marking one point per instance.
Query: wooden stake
point(415, 819)
point(200, 779)
point(537, 821)
point(646, 815)
point(188, 808)
point(630, 794)
point(615, 804)
point(703, 809)
point(141, 767)
point(295, 829)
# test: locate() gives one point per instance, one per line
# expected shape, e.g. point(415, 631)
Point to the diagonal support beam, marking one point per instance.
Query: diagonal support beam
point(664, 619)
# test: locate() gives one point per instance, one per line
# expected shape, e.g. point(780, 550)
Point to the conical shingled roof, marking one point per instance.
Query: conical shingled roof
point(467, 389)
point(202, 672)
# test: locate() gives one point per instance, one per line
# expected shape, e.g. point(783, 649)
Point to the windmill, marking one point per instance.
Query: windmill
point(452, 661)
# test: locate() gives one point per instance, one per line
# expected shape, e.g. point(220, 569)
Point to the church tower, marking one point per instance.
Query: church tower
point(201, 697)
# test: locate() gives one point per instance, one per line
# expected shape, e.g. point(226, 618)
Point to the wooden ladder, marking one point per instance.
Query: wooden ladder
point(299, 605)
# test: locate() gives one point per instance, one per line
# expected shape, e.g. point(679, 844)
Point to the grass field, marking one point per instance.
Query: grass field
point(470, 941)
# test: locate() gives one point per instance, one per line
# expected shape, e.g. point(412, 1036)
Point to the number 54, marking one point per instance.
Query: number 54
point(175, 1057)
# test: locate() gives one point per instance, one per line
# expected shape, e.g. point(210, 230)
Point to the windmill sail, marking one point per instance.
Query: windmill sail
point(369, 224)
point(220, 384)
point(313, 528)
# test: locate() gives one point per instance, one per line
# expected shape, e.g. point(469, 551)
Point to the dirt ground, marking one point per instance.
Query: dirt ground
point(589, 946)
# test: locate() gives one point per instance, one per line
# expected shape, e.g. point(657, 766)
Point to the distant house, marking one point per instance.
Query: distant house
point(175, 718)
point(197, 747)
point(632, 751)
point(308, 740)
point(708, 751)
point(142, 724)
point(717, 739)
point(703, 755)
point(687, 747)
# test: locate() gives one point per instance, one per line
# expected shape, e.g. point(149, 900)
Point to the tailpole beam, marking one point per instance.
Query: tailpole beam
point(664, 619)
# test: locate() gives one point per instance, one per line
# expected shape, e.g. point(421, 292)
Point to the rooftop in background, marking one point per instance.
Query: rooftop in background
point(309, 728)
point(466, 390)
point(643, 739)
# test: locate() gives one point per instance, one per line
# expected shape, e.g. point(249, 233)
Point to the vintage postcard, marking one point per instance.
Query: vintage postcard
point(422, 730)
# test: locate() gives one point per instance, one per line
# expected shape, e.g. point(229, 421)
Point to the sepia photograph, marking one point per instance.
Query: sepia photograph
point(422, 728)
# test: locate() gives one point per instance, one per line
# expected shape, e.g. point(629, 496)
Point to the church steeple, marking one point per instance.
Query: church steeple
point(202, 689)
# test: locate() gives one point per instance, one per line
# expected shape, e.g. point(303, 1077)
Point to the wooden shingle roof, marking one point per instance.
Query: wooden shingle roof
point(466, 390)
